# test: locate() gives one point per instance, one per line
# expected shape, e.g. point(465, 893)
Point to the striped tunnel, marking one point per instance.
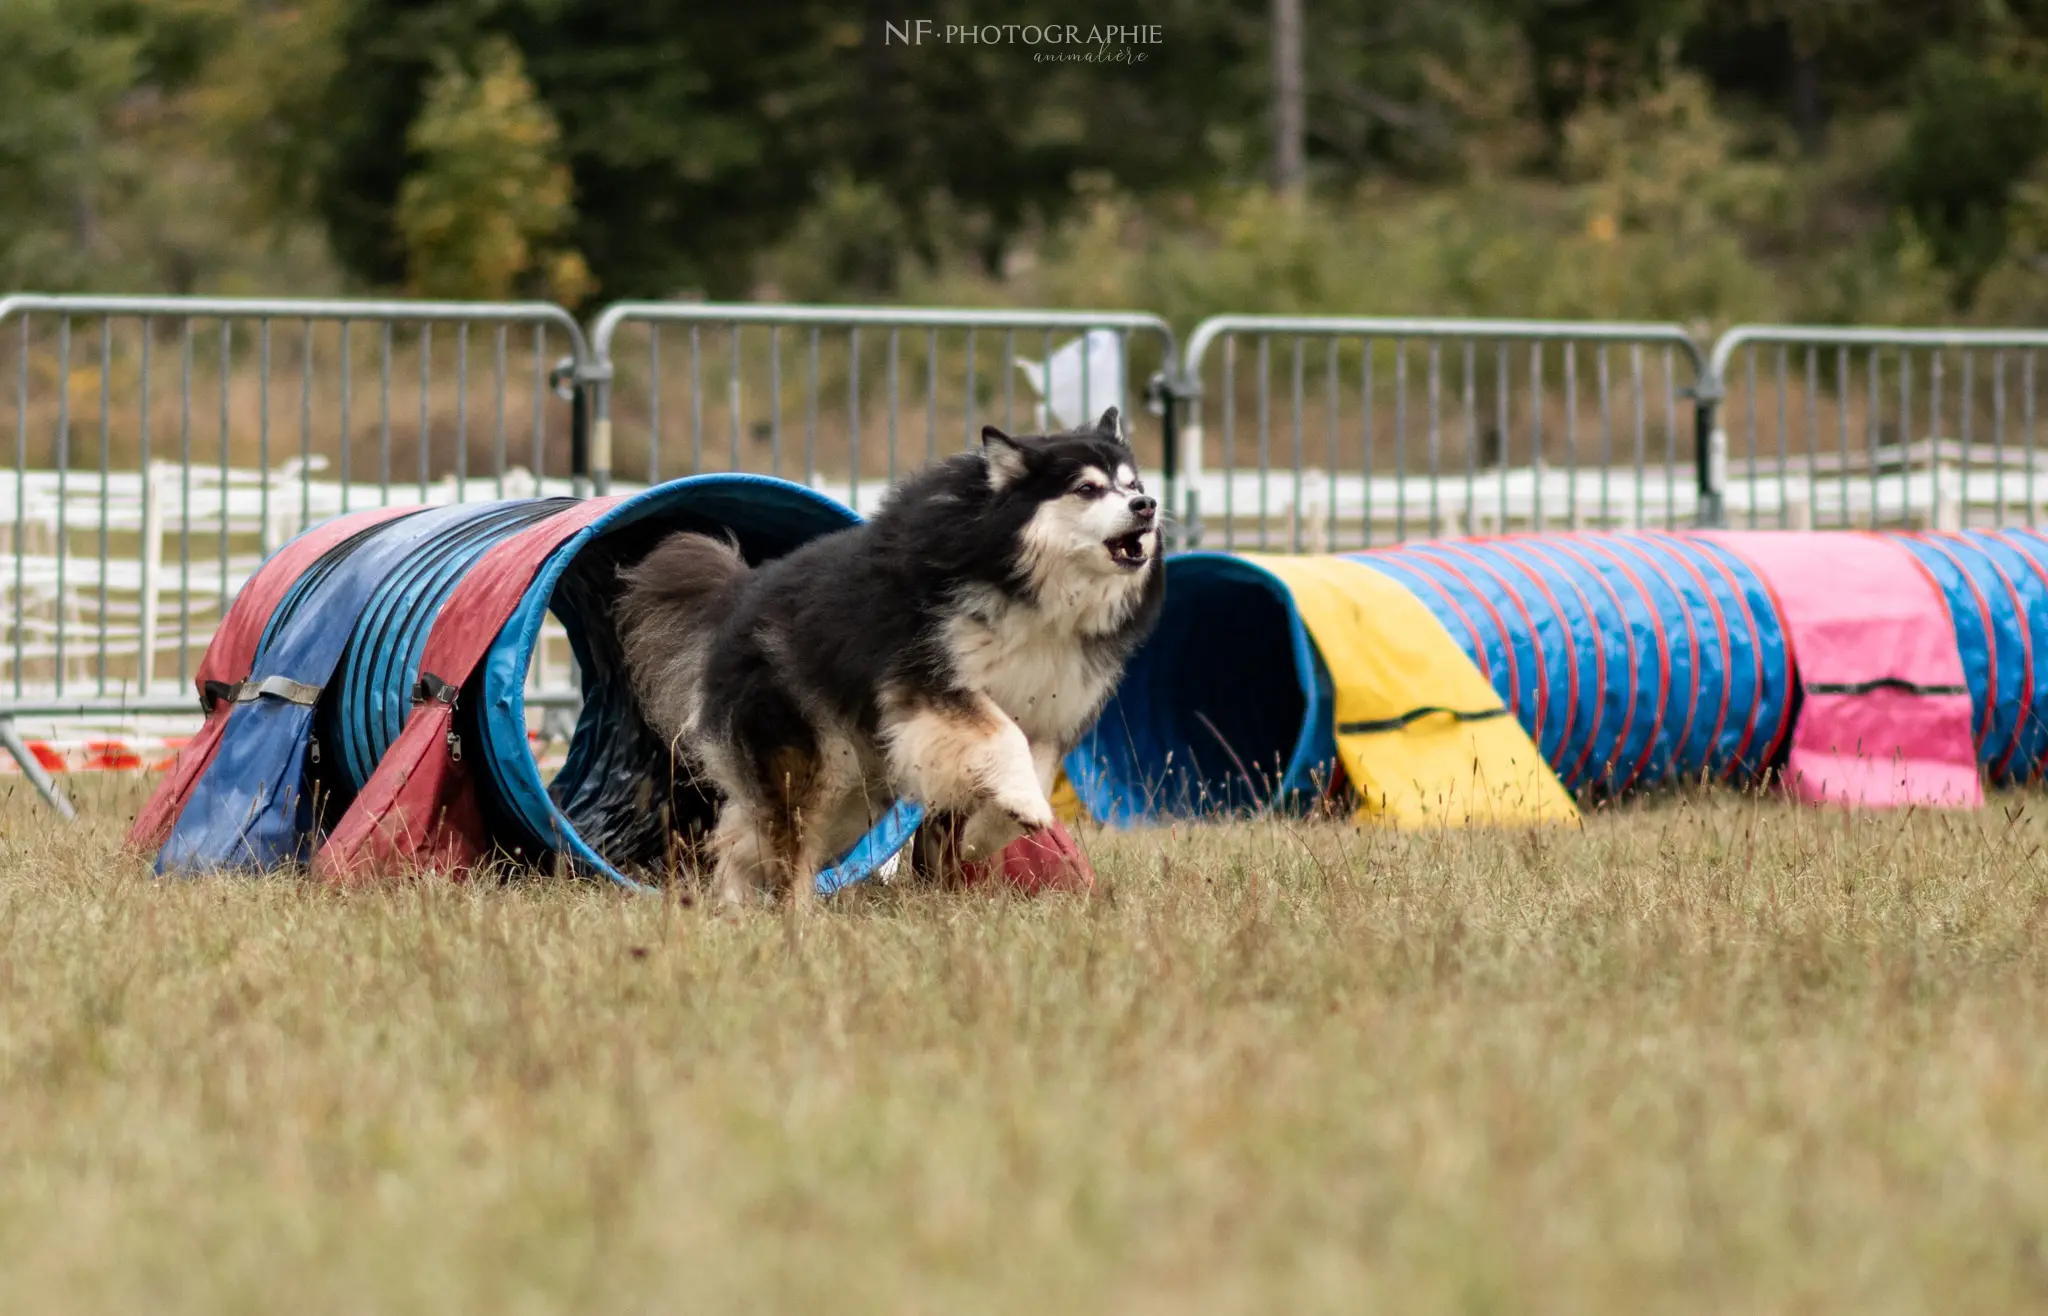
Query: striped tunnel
point(1995, 584)
point(1631, 660)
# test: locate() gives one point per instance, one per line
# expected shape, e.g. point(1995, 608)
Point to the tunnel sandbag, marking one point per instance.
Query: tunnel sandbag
point(1995, 588)
point(1224, 710)
point(1885, 712)
point(1265, 670)
point(1632, 660)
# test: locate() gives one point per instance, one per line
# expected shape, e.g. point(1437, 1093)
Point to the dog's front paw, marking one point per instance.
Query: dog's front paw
point(992, 829)
point(1029, 813)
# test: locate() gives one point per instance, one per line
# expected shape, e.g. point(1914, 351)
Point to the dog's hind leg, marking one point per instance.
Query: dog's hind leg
point(767, 833)
point(744, 866)
point(760, 854)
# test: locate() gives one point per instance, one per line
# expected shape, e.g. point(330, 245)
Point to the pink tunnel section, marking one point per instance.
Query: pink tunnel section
point(1885, 720)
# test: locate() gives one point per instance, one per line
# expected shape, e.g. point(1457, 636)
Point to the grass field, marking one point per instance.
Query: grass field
point(1707, 1055)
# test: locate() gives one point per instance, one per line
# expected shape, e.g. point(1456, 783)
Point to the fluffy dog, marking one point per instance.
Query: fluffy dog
point(951, 651)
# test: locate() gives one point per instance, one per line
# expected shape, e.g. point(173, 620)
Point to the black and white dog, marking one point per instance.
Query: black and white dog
point(950, 651)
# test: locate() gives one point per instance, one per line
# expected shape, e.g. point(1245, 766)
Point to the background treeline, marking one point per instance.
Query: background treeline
point(1700, 159)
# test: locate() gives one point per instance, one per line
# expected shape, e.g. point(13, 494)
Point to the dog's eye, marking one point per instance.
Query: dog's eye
point(1090, 489)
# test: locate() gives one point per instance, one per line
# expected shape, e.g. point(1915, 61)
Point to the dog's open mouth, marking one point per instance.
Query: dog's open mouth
point(1127, 551)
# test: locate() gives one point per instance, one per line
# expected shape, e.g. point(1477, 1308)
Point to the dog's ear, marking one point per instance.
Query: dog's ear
point(1004, 454)
point(1111, 427)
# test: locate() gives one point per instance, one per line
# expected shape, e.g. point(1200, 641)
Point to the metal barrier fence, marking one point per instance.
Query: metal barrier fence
point(1831, 426)
point(163, 446)
point(848, 398)
point(1388, 429)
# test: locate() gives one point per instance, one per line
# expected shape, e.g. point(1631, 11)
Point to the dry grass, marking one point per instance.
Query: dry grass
point(1715, 1055)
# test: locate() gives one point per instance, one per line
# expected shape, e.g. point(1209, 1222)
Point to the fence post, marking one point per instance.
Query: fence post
point(1710, 450)
point(568, 381)
point(45, 785)
point(152, 577)
point(594, 410)
point(1162, 392)
point(1180, 431)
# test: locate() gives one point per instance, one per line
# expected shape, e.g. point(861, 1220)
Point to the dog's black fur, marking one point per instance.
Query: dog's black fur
point(828, 639)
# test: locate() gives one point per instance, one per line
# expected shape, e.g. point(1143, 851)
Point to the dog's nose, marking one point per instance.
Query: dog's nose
point(1144, 508)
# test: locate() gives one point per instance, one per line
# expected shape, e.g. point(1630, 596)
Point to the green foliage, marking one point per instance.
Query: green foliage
point(1703, 158)
point(119, 164)
point(482, 214)
point(1976, 127)
point(66, 67)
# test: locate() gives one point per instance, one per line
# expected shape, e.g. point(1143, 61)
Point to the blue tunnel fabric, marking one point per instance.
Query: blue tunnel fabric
point(253, 808)
point(1995, 585)
point(1632, 660)
point(1226, 708)
point(1480, 590)
point(593, 814)
point(374, 692)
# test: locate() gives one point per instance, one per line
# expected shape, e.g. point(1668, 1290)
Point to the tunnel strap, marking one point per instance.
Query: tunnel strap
point(1877, 683)
point(212, 694)
point(431, 689)
point(1419, 729)
point(278, 687)
point(1402, 721)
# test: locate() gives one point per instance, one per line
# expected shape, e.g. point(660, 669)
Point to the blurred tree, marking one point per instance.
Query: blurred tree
point(483, 214)
point(691, 130)
point(1412, 87)
point(67, 68)
point(1593, 50)
point(146, 142)
point(1976, 127)
point(105, 149)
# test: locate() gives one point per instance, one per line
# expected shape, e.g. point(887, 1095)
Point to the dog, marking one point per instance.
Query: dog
point(951, 651)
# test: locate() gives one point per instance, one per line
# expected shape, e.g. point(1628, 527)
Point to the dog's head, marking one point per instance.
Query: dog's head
point(1086, 507)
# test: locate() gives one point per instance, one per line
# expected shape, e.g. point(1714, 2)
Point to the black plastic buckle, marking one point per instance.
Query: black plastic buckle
point(431, 689)
point(212, 694)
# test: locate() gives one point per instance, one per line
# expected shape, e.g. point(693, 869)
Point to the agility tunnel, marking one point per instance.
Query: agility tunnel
point(365, 697)
point(1420, 683)
point(365, 694)
point(1995, 588)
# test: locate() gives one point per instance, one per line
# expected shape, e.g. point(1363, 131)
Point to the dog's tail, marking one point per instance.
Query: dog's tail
point(667, 613)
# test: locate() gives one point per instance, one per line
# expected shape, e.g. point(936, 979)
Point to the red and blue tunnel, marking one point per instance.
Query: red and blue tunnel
point(365, 697)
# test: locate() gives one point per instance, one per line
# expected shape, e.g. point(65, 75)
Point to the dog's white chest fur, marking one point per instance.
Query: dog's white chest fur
point(1043, 677)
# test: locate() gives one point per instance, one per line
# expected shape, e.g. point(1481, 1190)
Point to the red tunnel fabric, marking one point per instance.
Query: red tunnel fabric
point(229, 657)
point(419, 806)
